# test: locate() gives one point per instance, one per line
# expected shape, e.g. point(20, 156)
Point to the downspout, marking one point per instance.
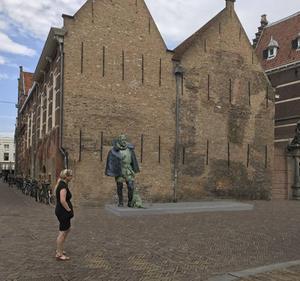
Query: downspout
point(61, 148)
point(36, 88)
point(178, 71)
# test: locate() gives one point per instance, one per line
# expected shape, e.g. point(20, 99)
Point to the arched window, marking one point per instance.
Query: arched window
point(296, 43)
point(272, 49)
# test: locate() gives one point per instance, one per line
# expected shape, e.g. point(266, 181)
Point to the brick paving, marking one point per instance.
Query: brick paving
point(289, 274)
point(173, 247)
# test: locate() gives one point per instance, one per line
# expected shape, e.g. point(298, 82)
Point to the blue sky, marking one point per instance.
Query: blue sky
point(24, 26)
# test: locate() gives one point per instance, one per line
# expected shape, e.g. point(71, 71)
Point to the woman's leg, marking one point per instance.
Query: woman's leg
point(60, 242)
point(62, 236)
point(67, 233)
point(64, 229)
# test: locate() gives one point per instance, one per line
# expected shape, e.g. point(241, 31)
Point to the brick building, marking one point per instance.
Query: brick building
point(278, 48)
point(201, 116)
point(24, 84)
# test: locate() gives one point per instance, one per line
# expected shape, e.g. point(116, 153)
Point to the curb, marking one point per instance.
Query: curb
point(233, 276)
point(180, 208)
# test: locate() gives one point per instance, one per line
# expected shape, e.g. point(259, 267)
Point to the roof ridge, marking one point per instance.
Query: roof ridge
point(181, 48)
point(282, 20)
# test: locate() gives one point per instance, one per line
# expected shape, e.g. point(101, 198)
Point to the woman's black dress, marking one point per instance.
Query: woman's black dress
point(64, 217)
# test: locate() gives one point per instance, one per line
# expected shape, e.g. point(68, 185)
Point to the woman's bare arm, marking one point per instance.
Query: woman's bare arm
point(63, 196)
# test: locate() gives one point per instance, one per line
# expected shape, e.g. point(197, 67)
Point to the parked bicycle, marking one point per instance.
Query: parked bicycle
point(45, 194)
point(11, 180)
point(39, 189)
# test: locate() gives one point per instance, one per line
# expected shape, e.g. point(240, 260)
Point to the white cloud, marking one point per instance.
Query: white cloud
point(6, 62)
point(3, 25)
point(36, 17)
point(176, 19)
point(3, 76)
point(2, 60)
point(9, 46)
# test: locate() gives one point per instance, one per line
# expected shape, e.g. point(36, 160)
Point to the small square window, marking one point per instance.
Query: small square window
point(6, 146)
point(272, 52)
point(6, 156)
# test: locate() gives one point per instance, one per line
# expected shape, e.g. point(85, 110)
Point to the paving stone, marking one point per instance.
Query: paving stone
point(166, 247)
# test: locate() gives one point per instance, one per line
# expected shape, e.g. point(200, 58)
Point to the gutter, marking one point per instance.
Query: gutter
point(34, 142)
point(283, 67)
point(61, 148)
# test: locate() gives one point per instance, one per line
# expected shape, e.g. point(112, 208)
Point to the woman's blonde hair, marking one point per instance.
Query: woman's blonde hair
point(65, 173)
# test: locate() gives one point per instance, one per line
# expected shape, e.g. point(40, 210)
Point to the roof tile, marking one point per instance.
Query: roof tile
point(284, 32)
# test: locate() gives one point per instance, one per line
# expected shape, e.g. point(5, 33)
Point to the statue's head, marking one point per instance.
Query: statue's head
point(121, 142)
point(122, 139)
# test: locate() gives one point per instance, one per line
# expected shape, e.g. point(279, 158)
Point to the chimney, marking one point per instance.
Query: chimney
point(263, 23)
point(230, 4)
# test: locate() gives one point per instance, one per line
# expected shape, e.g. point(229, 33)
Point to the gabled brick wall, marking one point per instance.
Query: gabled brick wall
point(114, 84)
point(226, 117)
point(118, 78)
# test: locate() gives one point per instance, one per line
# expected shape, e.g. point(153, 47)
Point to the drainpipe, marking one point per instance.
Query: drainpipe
point(178, 71)
point(36, 87)
point(61, 148)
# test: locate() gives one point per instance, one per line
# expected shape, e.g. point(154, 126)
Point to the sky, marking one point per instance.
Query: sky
point(24, 26)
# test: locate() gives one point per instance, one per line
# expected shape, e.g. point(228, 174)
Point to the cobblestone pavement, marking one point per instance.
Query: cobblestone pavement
point(154, 248)
point(289, 274)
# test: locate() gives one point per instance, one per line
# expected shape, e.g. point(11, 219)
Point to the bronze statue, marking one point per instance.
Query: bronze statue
point(122, 164)
point(295, 143)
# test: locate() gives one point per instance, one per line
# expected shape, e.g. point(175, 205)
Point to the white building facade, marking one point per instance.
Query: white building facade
point(7, 154)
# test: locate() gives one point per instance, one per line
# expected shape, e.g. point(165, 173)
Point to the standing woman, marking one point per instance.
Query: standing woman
point(63, 211)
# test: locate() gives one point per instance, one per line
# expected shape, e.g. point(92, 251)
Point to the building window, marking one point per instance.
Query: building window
point(6, 146)
point(272, 49)
point(296, 43)
point(6, 157)
point(272, 52)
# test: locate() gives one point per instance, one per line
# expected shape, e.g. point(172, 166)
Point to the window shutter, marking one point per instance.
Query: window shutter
point(265, 54)
point(295, 44)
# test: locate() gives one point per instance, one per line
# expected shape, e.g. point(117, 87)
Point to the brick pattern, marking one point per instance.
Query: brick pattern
point(284, 32)
point(126, 85)
point(164, 247)
point(119, 78)
point(225, 106)
point(114, 75)
point(287, 92)
point(289, 274)
point(38, 127)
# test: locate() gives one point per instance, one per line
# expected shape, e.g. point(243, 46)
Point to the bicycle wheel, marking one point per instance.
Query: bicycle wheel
point(52, 200)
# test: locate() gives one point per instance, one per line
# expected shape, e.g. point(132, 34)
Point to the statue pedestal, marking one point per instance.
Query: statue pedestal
point(295, 153)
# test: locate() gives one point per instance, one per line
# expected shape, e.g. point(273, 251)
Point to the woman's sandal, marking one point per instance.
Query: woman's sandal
point(64, 252)
point(62, 258)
